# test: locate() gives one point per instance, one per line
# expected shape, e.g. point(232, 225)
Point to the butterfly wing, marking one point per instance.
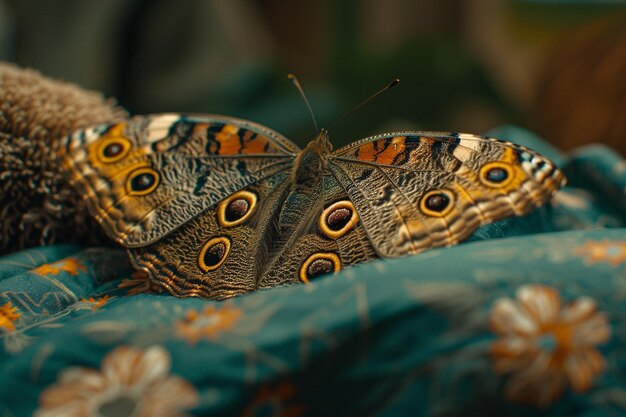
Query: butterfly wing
point(147, 177)
point(219, 253)
point(418, 190)
point(318, 232)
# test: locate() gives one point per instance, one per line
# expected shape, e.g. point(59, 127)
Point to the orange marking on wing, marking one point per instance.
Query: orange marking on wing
point(509, 156)
point(519, 175)
point(386, 156)
point(116, 131)
point(256, 145)
point(228, 139)
point(390, 153)
point(200, 128)
point(367, 152)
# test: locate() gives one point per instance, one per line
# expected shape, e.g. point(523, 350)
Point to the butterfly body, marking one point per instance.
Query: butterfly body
point(213, 206)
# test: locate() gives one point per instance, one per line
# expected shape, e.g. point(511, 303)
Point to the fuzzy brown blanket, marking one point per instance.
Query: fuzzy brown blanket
point(37, 205)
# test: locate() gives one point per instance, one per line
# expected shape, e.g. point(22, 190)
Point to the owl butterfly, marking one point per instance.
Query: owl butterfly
point(213, 206)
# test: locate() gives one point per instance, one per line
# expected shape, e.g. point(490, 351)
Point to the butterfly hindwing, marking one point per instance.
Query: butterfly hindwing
point(219, 253)
point(320, 233)
point(146, 177)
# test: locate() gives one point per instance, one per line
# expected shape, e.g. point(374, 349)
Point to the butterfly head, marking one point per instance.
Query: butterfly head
point(321, 144)
point(312, 160)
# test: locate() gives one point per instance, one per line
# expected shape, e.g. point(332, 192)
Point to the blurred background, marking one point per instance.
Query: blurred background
point(555, 67)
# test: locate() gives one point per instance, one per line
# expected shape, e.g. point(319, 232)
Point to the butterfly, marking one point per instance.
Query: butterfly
point(214, 206)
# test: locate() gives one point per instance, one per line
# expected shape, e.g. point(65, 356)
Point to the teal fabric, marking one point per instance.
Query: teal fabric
point(445, 333)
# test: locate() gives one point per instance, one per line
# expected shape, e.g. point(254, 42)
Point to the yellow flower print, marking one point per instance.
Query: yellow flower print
point(208, 323)
point(609, 251)
point(95, 303)
point(8, 316)
point(274, 402)
point(139, 282)
point(130, 382)
point(545, 345)
point(70, 265)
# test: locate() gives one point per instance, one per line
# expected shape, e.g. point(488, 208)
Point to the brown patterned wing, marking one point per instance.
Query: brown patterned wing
point(419, 190)
point(147, 177)
point(221, 252)
point(318, 231)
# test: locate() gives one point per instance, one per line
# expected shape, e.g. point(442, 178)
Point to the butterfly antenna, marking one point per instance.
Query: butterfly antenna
point(295, 82)
point(367, 100)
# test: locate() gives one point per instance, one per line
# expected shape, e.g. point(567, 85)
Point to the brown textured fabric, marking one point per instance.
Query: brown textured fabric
point(37, 205)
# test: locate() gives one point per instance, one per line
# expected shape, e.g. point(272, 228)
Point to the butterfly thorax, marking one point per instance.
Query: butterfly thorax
point(312, 161)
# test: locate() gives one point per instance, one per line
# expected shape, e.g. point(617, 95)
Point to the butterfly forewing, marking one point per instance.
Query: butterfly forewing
point(144, 178)
point(417, 190)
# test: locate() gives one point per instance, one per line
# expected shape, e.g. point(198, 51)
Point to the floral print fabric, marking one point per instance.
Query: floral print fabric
point(527, 318)
point(131, 382)
point(546, 345)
